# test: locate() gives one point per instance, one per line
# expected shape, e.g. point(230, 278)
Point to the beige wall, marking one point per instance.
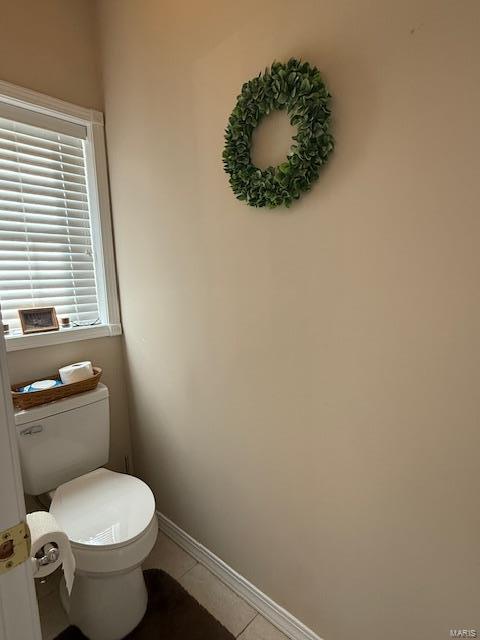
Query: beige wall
point(305, 384)
point(49, 46)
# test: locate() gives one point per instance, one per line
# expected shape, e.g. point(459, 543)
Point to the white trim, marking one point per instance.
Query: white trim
point(42, 103)
point(273, 612)
point(99, 201)
point(73, 334)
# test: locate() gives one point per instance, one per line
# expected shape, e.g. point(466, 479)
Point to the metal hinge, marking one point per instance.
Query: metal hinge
point(14, 546)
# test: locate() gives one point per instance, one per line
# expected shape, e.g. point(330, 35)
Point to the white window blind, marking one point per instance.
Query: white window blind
point(46, 250)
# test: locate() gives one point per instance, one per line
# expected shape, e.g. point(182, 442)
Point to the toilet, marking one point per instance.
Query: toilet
point(109, 517)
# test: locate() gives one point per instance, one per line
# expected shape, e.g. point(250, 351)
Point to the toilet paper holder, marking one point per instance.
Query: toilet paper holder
point(48, 554)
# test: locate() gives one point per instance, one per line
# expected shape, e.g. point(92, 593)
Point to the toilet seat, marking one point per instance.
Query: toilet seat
point(109, 519)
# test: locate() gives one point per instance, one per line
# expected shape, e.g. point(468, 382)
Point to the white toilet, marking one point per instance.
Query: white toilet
point(109, 517)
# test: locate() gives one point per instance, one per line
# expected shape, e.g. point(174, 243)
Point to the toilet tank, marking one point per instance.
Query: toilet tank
point(63, 440)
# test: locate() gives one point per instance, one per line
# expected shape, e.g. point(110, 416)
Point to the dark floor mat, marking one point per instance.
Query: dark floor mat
point(172, 614)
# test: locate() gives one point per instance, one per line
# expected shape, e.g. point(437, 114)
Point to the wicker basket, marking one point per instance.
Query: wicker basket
point(31, 399)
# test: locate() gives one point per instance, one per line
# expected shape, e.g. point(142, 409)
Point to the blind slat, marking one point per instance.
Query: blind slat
point(52, 196)
point(67, 298)
point(48, 283)
point(10, 197)
point(13, 173)
point(12, 141)
point(32, 231)
point(54, 161)
point(73, 144)
point(74, 192)
point(55, 269)
point(33, 207)
point(44, 276)
point(18, 150)
point(55, 291)
point(30, 165)
point(43, 217)
point(78, 222)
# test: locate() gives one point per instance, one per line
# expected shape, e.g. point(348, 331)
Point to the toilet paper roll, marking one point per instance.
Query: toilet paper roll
point(76, 372)
point(44, 529)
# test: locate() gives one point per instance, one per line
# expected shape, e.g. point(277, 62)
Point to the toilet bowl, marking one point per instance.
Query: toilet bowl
point(111, 524)
point(109, 517)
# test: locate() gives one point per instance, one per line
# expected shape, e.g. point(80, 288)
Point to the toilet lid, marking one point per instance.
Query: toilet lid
point(103, 508)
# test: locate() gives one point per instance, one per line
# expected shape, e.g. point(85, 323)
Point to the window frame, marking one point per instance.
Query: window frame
point(100, 212)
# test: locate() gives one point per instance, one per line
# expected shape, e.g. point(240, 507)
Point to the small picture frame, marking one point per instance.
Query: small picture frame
point(38, 319)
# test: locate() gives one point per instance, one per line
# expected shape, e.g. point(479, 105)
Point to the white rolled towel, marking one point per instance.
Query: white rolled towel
point(76, 372)
point(44, 529)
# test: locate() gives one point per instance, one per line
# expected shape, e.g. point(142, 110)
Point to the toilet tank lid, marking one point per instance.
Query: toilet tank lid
point(59, 406)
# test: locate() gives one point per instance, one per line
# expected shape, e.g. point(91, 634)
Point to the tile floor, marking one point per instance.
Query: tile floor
point(233, 612)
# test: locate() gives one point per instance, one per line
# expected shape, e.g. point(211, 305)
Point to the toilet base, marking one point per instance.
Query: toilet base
point(106, 606)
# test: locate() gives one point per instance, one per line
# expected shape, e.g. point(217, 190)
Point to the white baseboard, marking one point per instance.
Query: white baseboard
point(274, 613)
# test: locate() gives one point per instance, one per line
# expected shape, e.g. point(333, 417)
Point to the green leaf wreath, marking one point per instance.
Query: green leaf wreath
point(297, 87)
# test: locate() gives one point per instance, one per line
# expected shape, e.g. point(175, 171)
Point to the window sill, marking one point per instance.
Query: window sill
point(73, 334)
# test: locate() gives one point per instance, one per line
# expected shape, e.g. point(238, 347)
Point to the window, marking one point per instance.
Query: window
point(46, 252)
point(56, 246)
